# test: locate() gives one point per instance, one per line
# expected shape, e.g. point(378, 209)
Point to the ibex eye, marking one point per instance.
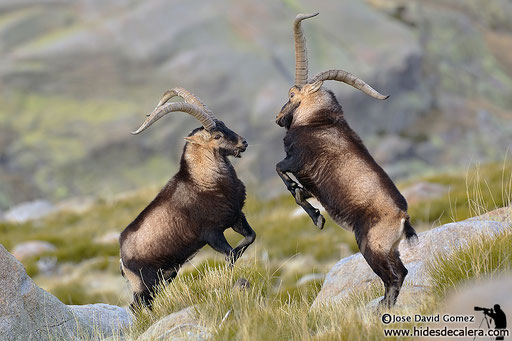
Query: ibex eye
point(291, 95)
point(217, 137)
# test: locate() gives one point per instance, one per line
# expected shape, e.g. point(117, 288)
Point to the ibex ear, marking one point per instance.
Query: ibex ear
point(311, 88)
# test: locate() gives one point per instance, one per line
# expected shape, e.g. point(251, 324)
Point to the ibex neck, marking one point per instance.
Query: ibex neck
point(206, 168)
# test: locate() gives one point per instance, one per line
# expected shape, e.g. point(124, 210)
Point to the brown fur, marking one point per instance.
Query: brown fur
point(331, 162)
point(194, 208)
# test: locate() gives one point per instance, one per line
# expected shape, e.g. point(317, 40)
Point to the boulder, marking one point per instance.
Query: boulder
point(354, 273)
point(76, 205)
point(29, 210)
point(484, 293)
point(181, 324)
point(306, 279)
point(28, 312)
point(31, 248)
point(422, 191)
point(111, 237)
point(47, 265)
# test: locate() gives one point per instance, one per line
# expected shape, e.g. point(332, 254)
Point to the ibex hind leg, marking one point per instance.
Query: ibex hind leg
point(143, 283)
point(141, 299)
point(401, 272)
point(386, 263)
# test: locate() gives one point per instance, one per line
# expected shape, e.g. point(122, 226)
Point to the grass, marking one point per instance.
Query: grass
point(264, 312)
point(258, 312)
point(281, 238)
point(472, 193)
point(289, 246)
point(482, 257)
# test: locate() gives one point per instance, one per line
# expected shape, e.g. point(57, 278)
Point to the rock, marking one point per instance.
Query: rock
point(483, 293)
point(422, 191)
point(76, 205)
point(108, 238)
point(242, 283)
point(353, 272)
point(100, 318)
point(29, 211)
point(501, 214)
point(31, 248)
point(309, 278)
point(179, 325)
point(410, 297)
point(47, 265)
point(28, 312)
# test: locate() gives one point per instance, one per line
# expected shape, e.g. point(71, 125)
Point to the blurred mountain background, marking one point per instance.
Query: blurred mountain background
point(77, 76)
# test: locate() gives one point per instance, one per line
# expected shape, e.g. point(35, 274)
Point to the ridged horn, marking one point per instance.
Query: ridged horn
point(192, 109)
point(301, 54)
point(188, 97)
point(350, 79)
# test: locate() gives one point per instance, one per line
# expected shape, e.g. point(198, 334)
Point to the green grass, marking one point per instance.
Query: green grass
point(485, 256)
point(289, 246)
point(471, 193)
point(280, 238)
point(259, 312)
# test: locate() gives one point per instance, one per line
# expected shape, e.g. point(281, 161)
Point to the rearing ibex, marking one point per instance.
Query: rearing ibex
point(330, 161)
point(194, 208)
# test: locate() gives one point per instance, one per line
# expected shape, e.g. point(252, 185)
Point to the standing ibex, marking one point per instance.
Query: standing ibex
point(330, 161)
point(194, 208)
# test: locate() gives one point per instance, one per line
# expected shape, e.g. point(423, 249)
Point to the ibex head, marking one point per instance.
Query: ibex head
point(220, 139)
point(306, 92)
point(214, 135)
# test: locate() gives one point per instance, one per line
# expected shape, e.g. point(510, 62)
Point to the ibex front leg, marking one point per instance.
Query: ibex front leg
point(242, 227)
point(299, 193)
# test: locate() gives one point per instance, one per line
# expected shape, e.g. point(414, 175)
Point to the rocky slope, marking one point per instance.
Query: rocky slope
point(27, 312)
point(76, 77)
point(354, 273)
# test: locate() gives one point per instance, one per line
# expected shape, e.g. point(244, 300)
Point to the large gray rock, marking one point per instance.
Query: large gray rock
point(481, 293)
point(31, 248)
point(28, 312)
point(180, 325)
point(354, 273)
point(422, 191)
point(237, 56)
point(28, 211)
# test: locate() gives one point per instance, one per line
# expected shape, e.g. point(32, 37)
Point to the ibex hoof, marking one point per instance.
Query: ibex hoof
point(320, 221)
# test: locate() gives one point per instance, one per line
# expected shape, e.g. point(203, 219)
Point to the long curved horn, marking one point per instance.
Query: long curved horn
point(188, 97)
point(350, 79)
point(301, 54)
point(207, 122)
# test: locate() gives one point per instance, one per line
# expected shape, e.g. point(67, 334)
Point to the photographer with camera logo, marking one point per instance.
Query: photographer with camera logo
point(497, 315)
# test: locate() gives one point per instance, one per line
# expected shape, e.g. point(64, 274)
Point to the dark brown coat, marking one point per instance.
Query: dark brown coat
point(195, 207)
point(331, 162)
